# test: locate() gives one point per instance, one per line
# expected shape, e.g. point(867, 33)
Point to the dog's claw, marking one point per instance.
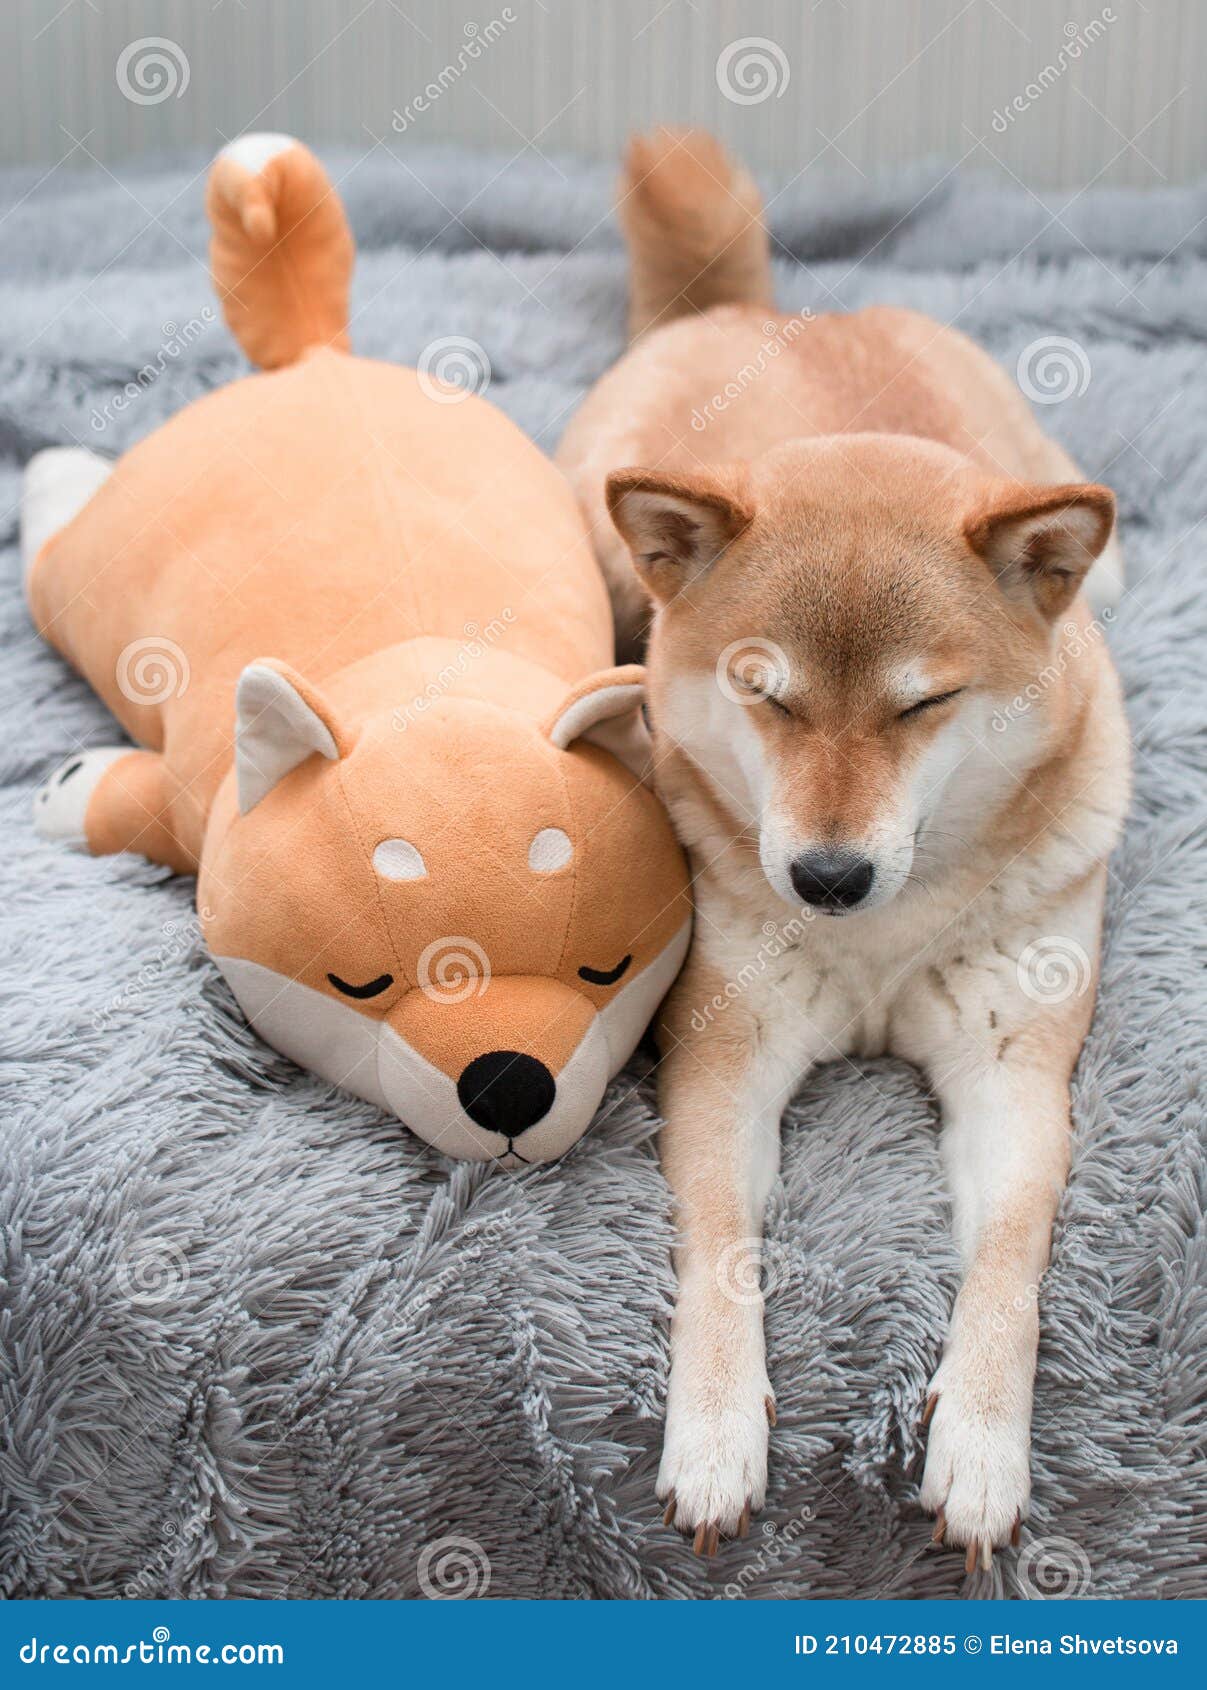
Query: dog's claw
point(970, 1558)
point(668, 1519)
point(987, 1555)
point(940, 1527)
point(1016, 1530)
point(931, 1401)
point(769, 1405)
point(744, 1521)
point(707, 1538)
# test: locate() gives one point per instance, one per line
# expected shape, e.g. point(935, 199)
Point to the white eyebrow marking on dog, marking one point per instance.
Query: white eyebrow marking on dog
point(550, 850)
point(908, 684)
point(398, 859)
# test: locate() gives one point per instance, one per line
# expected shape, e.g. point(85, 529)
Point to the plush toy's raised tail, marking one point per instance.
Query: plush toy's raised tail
point(281, 252)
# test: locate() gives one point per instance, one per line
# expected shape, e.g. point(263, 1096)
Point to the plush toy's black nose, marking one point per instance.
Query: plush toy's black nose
point(506, 1092)
point(833, 880)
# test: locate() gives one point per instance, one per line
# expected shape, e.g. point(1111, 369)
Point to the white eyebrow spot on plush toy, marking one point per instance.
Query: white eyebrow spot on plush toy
point(550, 850)
point(398, 859)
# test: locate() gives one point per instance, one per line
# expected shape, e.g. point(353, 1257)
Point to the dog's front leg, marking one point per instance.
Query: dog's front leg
point(1005, 1147)
point(722, 1092)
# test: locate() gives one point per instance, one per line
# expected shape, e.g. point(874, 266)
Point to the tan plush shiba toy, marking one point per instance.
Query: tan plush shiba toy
point(353, 619)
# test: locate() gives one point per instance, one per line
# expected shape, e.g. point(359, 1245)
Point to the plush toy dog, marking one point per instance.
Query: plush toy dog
point(354, 619)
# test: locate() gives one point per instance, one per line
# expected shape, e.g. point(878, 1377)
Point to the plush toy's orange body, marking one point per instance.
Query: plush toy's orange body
point(425, 864)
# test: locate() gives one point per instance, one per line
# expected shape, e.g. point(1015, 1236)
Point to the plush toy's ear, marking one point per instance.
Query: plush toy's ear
point(606, 710)
point(1041, 541)
point(280, 719)
point(677, 526)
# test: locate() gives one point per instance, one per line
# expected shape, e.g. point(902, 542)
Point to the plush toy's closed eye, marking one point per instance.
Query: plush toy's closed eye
point(604, 976)
point(372, 990)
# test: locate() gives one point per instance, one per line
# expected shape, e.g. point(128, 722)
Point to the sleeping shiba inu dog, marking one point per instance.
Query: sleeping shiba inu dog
point(879, 698)
point(352, 620)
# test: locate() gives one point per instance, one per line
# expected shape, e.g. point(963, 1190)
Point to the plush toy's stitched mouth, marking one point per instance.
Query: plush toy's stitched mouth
point(371, 990)
point(604, 976)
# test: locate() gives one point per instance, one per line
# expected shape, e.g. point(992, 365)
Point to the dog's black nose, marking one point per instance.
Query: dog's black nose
point(506, 1091)
point(833, 880)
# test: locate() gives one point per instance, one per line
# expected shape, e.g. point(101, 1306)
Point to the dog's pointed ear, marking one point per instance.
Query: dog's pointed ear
point(1040, 542)
point(677, 526)
point(607, 709)
point(280, 720)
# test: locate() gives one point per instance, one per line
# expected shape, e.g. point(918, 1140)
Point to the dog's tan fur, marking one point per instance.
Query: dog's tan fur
point(874, 514)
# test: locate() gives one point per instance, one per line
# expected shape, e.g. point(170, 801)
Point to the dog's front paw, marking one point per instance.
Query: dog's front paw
point(714, 1460)
point(977, 1478)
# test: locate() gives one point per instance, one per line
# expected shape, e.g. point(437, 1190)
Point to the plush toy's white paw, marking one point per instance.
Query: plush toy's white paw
point(714, 1459)
point(57, 484)
point(257, 149)
point(61, 805)
point(978, 1469)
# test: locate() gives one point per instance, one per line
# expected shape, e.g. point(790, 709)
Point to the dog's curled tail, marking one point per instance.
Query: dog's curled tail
point(281, 252)
point(693, 222)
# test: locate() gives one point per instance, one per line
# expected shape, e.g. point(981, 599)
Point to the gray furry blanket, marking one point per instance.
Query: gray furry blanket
point(254, 1339)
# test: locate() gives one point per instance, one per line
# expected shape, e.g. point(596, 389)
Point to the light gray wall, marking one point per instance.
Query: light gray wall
point(1110, 92)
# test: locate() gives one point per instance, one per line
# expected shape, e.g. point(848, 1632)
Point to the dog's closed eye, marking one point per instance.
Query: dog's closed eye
point(373, 989)
point(604, 976)
point(929, 703)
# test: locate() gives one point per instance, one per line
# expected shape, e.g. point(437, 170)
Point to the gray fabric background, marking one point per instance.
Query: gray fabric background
point(255, 1340)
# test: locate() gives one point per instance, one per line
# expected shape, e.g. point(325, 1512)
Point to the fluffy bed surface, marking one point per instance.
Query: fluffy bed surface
point(256, 1340)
